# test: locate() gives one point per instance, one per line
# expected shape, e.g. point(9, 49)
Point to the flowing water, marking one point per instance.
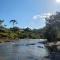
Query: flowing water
point(23, 49)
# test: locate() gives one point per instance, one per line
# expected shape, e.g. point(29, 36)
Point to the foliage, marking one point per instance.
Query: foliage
point(51, 31)
point(15, 32)
point(53, 27)
point(13, 22)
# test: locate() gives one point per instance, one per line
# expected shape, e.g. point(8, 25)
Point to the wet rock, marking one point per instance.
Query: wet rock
point(30, 44)
point(40, 46)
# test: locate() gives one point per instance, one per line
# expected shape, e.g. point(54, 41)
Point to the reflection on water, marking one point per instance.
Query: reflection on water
point(23, 50)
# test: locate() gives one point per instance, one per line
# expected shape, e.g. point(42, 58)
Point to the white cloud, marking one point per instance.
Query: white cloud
point(43, 16)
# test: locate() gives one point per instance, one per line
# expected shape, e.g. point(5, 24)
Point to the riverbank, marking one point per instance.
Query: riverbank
point(7, 40)
point(53, 46)
point(54, 50)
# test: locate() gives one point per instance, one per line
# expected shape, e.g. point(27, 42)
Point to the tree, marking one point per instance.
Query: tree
point(53, 26)
point(13, 22)
point(1, 23)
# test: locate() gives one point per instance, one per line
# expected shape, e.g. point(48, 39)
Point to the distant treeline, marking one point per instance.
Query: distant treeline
point(15, 32)
point(51, 31)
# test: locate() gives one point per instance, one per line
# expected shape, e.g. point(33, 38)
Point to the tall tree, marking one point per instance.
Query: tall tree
point(1, 23)
point(13, 22)
point(53, 26)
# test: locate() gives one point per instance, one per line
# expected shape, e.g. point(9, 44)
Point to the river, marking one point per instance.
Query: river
point(23, 49)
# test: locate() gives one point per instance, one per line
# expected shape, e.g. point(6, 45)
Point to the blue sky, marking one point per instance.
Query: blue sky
point(28, 13)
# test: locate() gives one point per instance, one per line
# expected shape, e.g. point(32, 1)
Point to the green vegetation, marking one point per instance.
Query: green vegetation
point(15, 32)
point(51, 31)
point(53, 27)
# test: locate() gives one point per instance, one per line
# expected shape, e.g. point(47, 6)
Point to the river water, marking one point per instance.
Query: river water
point(23, 49)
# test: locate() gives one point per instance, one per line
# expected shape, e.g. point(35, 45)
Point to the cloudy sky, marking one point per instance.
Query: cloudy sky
point(28, 13)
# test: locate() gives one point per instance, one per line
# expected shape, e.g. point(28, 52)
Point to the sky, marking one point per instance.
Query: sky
point(28, 13)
